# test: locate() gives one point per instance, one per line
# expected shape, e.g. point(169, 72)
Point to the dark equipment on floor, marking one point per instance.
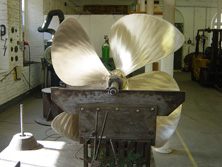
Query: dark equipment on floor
point(207, 67)
point(46, 61)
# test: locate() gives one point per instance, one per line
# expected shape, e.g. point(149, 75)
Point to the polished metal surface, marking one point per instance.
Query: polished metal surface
point(135, 41)
point(154, 80)
point(158, 81)
point(139, 39)
point(66, 125)
point(73, 56)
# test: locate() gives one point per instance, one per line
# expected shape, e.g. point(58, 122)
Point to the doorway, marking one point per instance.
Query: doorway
point(178, 55)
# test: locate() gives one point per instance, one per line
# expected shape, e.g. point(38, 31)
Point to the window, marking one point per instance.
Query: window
point(23, 12)
point(215, 22)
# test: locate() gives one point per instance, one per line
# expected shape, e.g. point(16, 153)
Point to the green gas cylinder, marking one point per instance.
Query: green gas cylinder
point(105, 51)
point(107, 61)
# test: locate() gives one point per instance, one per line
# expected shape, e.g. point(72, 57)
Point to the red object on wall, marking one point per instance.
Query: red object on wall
point(26, 43)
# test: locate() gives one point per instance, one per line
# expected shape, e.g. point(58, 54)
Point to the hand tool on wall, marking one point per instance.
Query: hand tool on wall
point(3, 30)
point(5, 47)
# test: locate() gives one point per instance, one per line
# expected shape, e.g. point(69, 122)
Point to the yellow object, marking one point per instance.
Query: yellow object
point(187, 150)
point(17, 73)
point(197, 64)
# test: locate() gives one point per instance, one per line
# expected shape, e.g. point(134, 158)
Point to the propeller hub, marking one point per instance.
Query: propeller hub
point(116, 82)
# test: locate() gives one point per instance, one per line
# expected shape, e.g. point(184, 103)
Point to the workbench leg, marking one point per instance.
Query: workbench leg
point(85, 155)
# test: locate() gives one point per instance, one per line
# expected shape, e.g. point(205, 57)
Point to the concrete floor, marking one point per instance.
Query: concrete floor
point(196, 143)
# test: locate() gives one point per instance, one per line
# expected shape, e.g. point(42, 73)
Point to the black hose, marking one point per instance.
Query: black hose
point(48, 19)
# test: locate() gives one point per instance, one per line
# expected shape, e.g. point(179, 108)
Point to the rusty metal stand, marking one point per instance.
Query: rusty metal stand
point(131, 124)
point(50, 109)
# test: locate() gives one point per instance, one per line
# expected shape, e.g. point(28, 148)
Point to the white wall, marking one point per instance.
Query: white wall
point(9, 88)
point(33, 20)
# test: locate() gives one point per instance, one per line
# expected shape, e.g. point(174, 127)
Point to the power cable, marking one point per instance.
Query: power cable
point(27, 82)
point(7, 74)
point(31, 87)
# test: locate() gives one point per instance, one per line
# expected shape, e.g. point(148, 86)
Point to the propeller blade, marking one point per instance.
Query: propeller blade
point(73, 56)
point(66, 125)
point(158, 81)
point(139, 39)
point(154, 80)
